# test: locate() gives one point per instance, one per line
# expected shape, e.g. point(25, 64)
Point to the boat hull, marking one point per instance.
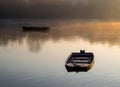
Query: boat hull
point(79, 68)
point(27, 29)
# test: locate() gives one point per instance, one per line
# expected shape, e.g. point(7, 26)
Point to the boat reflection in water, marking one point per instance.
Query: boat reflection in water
point(80, 62)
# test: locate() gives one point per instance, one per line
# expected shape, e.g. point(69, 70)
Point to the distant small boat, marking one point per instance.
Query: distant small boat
point(33, 28)
point(78, 62)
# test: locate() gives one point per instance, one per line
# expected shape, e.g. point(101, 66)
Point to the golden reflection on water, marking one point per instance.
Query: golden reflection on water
point(94, 32)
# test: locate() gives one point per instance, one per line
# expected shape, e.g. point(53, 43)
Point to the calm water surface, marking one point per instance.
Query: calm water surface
point(37, 59)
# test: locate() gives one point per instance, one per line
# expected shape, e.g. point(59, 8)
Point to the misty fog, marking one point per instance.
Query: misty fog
point(60, 9)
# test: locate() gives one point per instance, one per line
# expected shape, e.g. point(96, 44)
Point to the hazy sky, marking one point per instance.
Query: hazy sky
point(83, 9)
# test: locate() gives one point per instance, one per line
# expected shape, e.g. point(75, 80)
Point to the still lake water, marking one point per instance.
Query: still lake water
point(37, 59)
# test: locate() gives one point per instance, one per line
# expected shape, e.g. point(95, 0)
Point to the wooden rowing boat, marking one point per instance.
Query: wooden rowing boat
point(81, 61)
point(33, 28)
